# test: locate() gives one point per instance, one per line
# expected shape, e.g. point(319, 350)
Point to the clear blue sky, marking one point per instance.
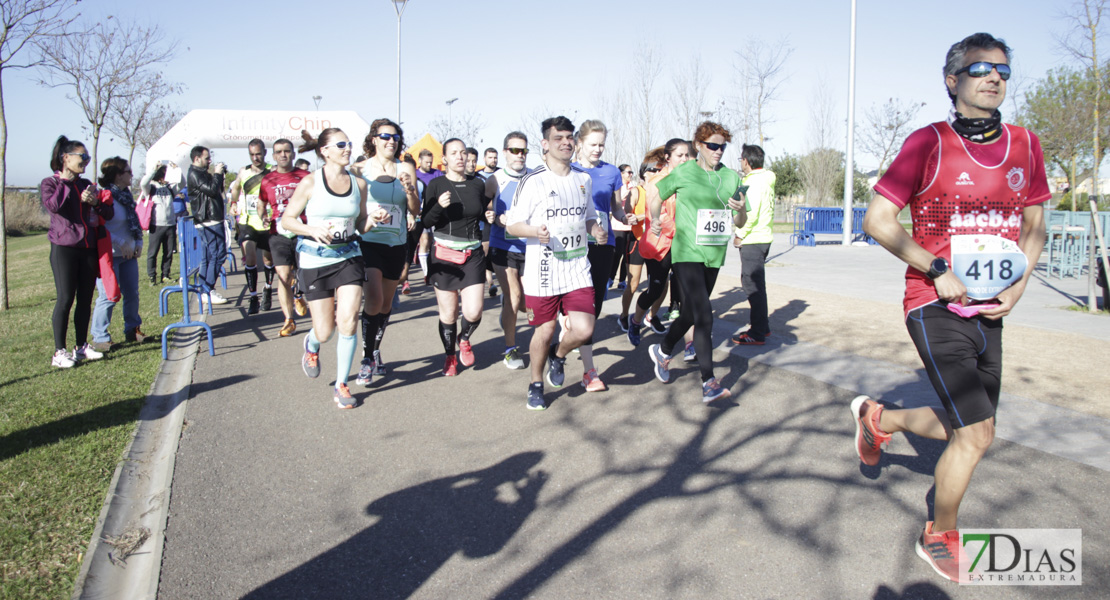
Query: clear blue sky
point(505, 60)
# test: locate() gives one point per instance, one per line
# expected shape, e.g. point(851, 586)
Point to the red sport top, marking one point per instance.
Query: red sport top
point(277, 189)
point(956, 187)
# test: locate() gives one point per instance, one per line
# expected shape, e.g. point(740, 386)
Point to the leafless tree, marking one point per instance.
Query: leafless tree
point(25, 22)
point(886, 127)
point(761, 69)
point(529, 124)
point(129, 120)
point(615, 109)
point(821, 167)
point(689, 99)
point(1081, 41)
point(464, 126)
point(647, 66)
point(161, 119)
point(99, 66)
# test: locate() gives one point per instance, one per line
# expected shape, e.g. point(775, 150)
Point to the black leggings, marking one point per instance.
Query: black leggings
point(75, 273)
point(696, 282)
point(620, 255)
point(164, 238)
point(657, 271)
point(601, 261)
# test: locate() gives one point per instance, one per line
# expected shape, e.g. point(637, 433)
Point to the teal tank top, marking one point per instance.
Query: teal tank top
point(388, 193)
point(337, 214)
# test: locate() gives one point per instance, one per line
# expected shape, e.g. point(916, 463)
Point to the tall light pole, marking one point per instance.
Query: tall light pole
point(399, 8)
point(849, 159)
point(450, 125)
point(317, 100)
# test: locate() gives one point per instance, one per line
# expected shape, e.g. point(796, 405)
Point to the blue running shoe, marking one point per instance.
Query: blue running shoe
point(661, 362)
point(535, 396)
point(690, 355)
point(634, 330)
point(711, 390)
point(555, 365)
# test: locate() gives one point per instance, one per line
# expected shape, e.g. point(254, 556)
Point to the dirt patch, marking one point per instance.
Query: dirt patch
point(1062, 369)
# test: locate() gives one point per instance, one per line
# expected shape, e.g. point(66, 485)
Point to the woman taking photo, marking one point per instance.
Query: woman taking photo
point(163, 224)
point(708, 203)
point(390, 187)
point(606, 181)
point(127, 246)
point(331, 267)
point(75, 212)
point(454, 204)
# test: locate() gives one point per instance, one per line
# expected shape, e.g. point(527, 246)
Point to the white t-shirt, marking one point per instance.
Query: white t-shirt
point(563, 204)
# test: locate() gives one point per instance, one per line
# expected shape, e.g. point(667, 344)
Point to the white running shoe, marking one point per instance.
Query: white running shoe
point(217, 298)
point(86, 352)
point(61, 360)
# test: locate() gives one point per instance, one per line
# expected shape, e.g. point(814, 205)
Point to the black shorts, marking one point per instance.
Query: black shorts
point(507, 259)
point(390, 260)
point(449, 276)
point(963, 358)
point(322, 282)
point(261, 237)
point(283, 250)
point(634, 257)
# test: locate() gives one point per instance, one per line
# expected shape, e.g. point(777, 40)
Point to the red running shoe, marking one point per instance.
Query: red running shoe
point(450, 366)
point(466, 354)
point(405, 288)
point(870, 440)
point(343, 397)
point(941, 551)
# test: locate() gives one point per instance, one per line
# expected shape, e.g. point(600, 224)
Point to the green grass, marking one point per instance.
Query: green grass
point(62, 431)
point(1085, 309)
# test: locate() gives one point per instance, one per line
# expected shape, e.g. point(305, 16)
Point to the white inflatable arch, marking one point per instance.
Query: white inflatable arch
point(234, 128)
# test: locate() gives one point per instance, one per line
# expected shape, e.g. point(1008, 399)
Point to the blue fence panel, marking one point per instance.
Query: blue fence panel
point(190, 253)
point(811, 221)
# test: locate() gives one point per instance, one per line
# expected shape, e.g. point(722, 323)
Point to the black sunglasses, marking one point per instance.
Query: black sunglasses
point(84, 157)
point(517, 151)
point(715, 147)
point(389, 136)
point(982, 69)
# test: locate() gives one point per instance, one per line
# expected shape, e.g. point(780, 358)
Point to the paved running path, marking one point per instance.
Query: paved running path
point(449, 488)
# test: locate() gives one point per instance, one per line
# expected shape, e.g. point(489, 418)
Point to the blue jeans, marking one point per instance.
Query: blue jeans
point(127, 274)
point(215, 251)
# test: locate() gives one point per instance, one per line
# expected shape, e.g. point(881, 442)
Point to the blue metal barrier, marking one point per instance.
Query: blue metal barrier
point(191, 253)
point(810, 221)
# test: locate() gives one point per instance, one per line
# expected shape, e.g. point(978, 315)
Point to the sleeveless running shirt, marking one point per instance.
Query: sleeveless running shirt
point(388, 193)
point(250, 184)
point(506, 185)
point(337, 214)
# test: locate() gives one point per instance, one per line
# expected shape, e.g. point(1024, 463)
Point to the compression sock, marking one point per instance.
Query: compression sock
point(447, 334)
point(252, 279)
point(313, 343)
point(370, 324)
point(382, 323)
point(423, 258)
point(345, 353)
point(468, 328)
point(269, 276)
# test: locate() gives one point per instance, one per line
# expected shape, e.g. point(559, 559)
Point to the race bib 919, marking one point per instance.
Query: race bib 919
point(987, 264)
point(568, 240)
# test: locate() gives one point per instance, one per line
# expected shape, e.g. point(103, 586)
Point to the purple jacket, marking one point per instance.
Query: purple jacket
point(72, 222)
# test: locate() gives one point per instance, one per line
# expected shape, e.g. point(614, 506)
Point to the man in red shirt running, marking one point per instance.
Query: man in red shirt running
point(276, 190)
point(974, 187)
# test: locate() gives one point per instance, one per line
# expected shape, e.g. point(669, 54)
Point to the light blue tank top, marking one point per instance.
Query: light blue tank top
point(336, 213)
point(388, 193)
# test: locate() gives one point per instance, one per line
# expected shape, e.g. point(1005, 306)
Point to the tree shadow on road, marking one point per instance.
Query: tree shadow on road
point(420, 528)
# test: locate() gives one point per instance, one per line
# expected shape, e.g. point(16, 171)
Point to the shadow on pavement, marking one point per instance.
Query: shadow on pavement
point(419, 529)
point(914, 591)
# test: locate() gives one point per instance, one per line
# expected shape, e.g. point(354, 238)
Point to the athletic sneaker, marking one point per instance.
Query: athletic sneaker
point(941, 551)
point(86, 352)
point(661, 362)
point(622, 322)
point(451, 366)
point(656, 324)
point(634, 330)
point(61, 360)
point(592, 382)
point(343, 397)
point(379, 364)
point(492, 290)
point(555, 366)
point(300, 306)
point(672, 313)
point(711, 390)
point(365, 372)
point(690, 354)
point(252, 307)
point(466, 353)
point(622, 285)
point(288, 329)
point(310, 362)
point(513, 360)
point(267, 298)
point(101, 347)
point(870, 440)
point(406, 289)
point(216, 297)
point(535, 396)
point(746, 339)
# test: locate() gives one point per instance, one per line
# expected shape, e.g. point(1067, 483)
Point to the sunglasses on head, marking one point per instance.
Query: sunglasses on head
point(517, 151)
point(982, 69)
point(84, 157)
point(715, 147)
point(342, 145)
point(389, 136)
